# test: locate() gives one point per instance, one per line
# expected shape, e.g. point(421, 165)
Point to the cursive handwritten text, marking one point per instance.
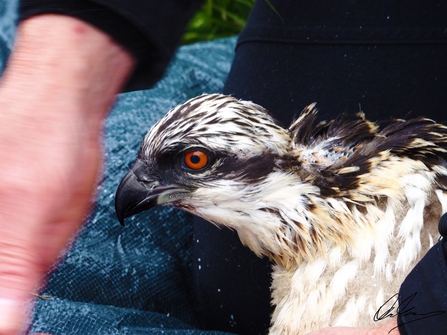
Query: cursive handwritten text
point(391, 309)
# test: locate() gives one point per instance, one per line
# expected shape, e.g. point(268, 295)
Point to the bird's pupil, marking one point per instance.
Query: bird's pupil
point(195, 159)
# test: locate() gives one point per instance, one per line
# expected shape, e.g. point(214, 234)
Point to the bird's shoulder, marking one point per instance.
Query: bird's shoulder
point(337, 154)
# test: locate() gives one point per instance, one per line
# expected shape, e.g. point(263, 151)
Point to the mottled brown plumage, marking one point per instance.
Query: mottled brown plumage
point(344, 208)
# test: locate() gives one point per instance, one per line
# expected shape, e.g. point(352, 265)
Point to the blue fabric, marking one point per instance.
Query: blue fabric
point(138, 278)
point(135, 279)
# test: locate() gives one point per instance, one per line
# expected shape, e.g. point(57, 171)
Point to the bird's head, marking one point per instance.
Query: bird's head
point(213, 156)
point(290, 194)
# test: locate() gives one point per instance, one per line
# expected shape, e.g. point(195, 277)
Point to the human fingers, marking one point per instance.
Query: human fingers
point(387, 328)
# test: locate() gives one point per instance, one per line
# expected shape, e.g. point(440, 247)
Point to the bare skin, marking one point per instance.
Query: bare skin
point(58, 88)
point(387, 328)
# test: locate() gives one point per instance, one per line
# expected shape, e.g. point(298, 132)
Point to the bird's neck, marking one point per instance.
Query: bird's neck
point(281, 218)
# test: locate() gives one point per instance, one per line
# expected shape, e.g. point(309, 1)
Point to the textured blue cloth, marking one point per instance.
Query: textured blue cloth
point(142, 269)
point(135, 279)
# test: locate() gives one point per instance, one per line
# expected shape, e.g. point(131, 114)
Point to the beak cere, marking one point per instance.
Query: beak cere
point(138, 191)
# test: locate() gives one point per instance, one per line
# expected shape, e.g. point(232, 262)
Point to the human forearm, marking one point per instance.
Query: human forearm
point(61, 80)
point(151, 30)
point(57, 54)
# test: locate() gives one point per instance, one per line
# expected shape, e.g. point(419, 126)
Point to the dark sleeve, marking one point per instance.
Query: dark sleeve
point(423, 295)
point(149, 29)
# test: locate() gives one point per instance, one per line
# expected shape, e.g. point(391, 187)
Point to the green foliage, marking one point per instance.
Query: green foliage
point(217, 19)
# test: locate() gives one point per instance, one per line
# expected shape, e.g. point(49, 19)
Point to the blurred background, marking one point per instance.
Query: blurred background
point(217, 19)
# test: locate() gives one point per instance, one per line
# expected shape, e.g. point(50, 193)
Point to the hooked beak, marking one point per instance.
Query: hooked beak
point(138, 191)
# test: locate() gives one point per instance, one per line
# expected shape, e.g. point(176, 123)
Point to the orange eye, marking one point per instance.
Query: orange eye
point(196, 160)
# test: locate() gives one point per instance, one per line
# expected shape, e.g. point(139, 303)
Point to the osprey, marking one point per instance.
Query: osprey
point(344, 208)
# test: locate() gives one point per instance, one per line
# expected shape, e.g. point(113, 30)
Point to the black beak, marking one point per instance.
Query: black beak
point(137, 192)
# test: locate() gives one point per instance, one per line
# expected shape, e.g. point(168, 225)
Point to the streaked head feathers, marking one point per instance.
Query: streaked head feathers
point(298, 187)
point(333, 204)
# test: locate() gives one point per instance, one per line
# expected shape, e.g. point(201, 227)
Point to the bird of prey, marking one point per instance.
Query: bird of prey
point(343, 208)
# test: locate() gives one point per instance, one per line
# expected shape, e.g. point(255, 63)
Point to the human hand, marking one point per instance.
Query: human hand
point(55, 93)
point(387, 328)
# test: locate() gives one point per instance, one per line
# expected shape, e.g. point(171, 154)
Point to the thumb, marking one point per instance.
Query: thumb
point(22, 261)
point(13, 315)
point(18, 279)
